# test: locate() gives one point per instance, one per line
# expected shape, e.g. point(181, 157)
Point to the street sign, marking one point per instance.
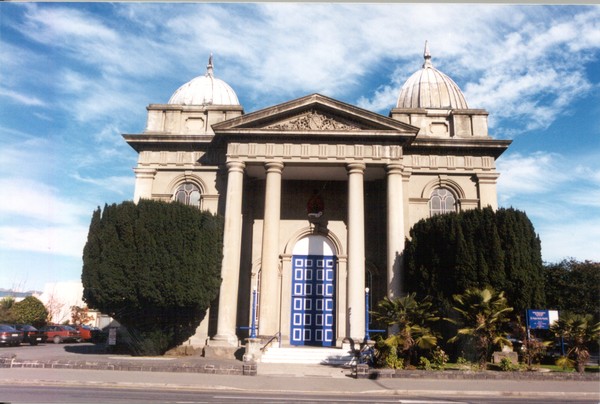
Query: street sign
point(541, 319)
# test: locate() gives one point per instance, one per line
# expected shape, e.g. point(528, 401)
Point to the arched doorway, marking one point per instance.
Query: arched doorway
point(313, 292)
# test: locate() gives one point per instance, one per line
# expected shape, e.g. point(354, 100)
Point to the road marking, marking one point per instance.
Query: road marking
point(333, 398)
point(142, 358)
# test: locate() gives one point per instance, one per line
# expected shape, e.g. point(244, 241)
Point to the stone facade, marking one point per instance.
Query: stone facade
point(375, 176)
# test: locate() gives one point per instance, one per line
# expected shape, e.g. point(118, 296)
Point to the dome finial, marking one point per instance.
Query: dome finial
point(209, 67)
point(427, 56)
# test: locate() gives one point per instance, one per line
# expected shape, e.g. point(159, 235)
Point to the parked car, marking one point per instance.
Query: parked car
point(61, 333)
point(10, 336)
point(31, 334)
point(88, 333)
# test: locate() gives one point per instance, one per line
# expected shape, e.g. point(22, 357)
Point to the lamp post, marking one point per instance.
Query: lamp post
point(253, 324)
point(367, 336)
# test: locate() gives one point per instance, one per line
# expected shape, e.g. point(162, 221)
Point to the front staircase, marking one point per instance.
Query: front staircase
point(308, 355)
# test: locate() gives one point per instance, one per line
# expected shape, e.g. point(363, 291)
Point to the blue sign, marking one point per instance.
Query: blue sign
point(538, 319)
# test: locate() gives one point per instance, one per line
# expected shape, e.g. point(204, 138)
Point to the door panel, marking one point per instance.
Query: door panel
point(313, 300)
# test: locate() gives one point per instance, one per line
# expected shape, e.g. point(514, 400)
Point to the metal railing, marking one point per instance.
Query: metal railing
point(277, 336)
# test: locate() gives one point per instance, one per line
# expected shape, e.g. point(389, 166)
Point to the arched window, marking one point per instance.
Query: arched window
point(188, 194)
point(442, 201)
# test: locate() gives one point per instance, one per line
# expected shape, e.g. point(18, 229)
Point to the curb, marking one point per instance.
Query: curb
point(364, 372)
point(243, 369)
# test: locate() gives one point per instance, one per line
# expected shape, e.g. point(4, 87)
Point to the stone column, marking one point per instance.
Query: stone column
point(230, 268)
point(268, 319)
point(395, 229)
point(356, 252)
point(143, 183)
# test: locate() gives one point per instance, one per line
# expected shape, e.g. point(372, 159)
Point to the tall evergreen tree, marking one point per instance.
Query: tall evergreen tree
point(449, 253)
point(155, 268)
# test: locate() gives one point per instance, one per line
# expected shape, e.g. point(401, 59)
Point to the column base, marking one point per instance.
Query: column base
point(224, 340)
point(226, 347)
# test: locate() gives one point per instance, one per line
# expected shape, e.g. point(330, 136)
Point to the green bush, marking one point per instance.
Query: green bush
point(439, 359)
point(30, 311)
point(506, 365)
point(424, 363)
point(154, 267)
point(387, 355)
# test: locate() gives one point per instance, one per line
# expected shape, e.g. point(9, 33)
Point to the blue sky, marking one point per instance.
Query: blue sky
point(75, 76)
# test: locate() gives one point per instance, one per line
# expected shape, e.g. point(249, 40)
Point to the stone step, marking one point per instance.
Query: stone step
point(304, 355)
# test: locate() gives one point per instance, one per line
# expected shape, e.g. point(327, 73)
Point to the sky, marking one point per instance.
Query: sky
point(74, 77)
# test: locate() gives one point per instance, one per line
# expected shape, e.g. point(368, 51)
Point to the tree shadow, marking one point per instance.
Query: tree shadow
point(88, 349)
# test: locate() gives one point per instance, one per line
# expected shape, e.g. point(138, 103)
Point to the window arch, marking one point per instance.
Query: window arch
point(188, 193)
point(442, 200)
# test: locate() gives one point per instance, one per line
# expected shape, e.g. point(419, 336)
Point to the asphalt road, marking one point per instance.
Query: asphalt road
point(87, 394)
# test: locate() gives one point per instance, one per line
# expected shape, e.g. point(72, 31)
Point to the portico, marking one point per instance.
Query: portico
point(312, 142)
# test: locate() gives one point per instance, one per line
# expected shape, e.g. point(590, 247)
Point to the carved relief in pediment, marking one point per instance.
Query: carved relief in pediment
point(313, 120)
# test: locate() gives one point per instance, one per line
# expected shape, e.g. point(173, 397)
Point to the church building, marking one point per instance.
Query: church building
point(317, 196)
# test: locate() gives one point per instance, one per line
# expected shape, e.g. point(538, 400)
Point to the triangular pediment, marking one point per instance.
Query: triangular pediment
point(315, 119)
point(314, 114)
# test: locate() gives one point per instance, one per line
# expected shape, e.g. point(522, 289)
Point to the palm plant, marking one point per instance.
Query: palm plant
point(409, 320)
point(579, 330)
point(482, 318)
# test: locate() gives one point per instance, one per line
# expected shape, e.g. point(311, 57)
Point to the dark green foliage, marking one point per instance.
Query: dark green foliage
point(573, 286)
point(482, 321)
point(412, 320)
point(450, 253)
point(155, 268)
point(523, 260)
point(30, 311)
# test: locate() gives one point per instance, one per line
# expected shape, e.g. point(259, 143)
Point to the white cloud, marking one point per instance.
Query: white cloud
point(523, 63)
point(21, 98)
point(381, 100)
point(118, 184)
point(524, 175)
point(560, 196)
point(56, 239)
point(29, 199)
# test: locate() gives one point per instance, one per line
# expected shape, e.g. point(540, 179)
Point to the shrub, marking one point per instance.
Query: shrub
point(30, 311)
point(565, 363)
point(506, 365)
point(424, 363)
point(439, 359)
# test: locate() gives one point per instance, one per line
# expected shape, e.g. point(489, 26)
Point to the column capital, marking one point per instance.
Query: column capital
point(238, 166)
point(394, 168)
point(274, 166)
point(357, 167)
point(487, 178)
point(145, 172)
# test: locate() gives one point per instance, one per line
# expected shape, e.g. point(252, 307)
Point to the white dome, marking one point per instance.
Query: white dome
point(205, 90)
point(430, 88)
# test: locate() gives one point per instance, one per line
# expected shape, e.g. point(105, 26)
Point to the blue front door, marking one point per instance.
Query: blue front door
point(313, 300)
